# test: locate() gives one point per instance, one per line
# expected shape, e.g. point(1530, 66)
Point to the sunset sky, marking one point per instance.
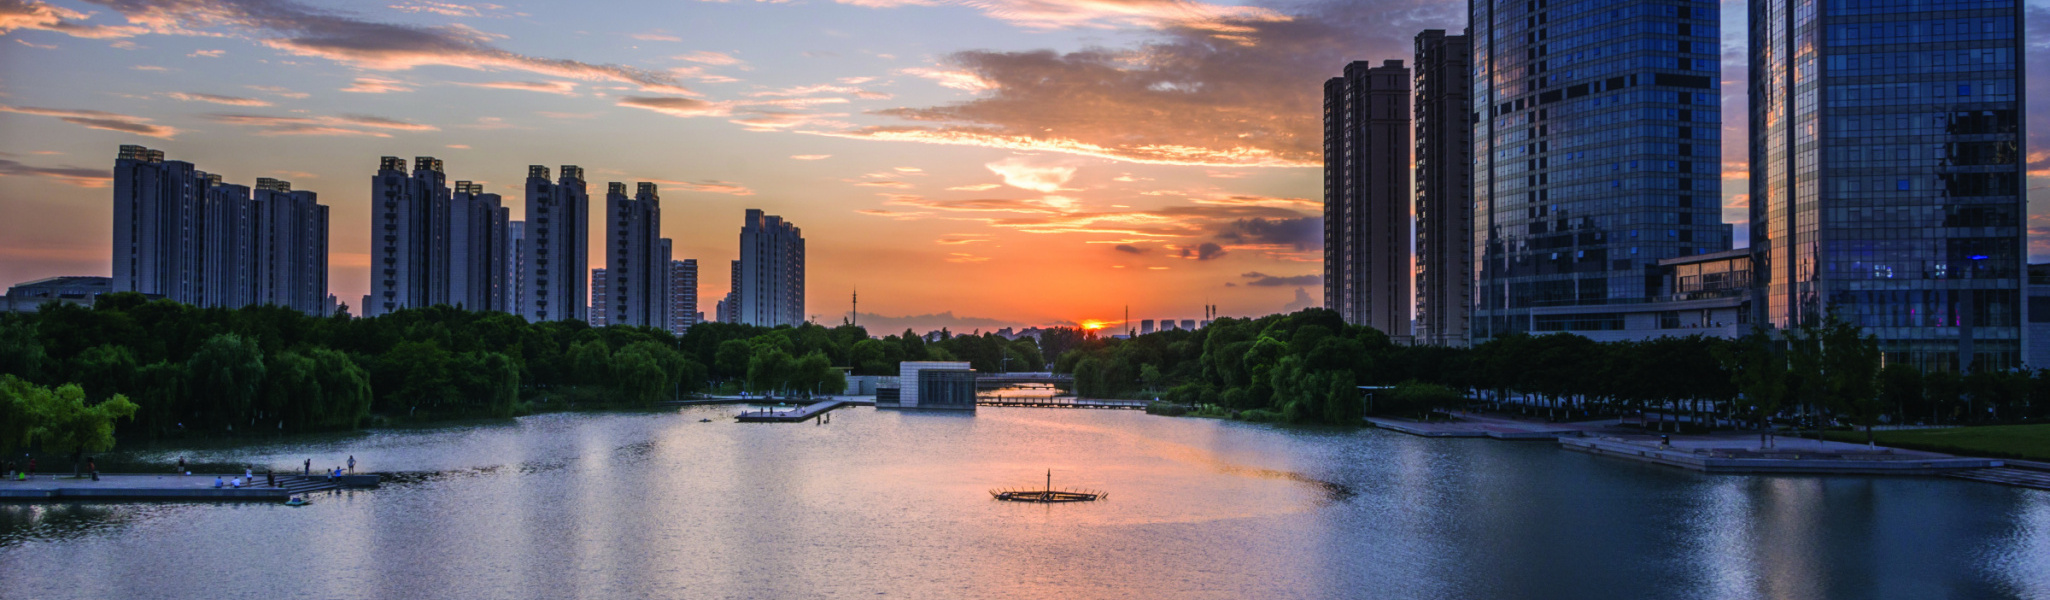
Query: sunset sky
point(964, 163)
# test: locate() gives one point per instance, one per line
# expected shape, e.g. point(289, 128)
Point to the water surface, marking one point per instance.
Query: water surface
point(895, 505)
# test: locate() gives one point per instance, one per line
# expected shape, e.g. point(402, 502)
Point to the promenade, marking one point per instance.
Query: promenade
point(793, 415)
point(1726, 452)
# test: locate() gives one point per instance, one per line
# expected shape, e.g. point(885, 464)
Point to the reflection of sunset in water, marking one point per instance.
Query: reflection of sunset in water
point(895, 504)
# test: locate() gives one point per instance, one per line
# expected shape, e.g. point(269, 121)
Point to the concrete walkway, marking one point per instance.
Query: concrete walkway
point(1477, 426)
point(155, 487)
point(794, 415)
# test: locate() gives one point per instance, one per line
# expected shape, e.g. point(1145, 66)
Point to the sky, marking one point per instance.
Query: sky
point(972, 164)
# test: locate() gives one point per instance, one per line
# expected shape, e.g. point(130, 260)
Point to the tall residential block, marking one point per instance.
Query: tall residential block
point(1444, 187)
point(598, 316)
point(1887, 181)
point(1367, 257)
point(434, 245)
point(683, 294)
point(637, 261)
point(479, 244)
point(556, 253)
point(1596, 154)
point(187, 236)
point(516, 248)
point(729, 307)
point(770, 285)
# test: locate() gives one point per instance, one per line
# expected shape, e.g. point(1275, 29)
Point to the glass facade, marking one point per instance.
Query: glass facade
point(1886, 172)
point(1596, 152)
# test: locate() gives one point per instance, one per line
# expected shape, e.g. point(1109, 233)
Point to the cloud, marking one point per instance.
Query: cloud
point(1019, 172)
point(216, 99)
point(710, 186)
point(36, 45)
point(1204, 251)
point(1098, 14)
point(31, 14)
point(338, 36)
point(95, 119)
point(377, 85)
point(81, 177)
point(706, 57)
point(206, 54)
point(1264, 280)
point(677, 107)
point(810, 156)
point(280, 91)
point(1302, 301)
point(980, 187)
point(446, 9)
point(1185, 97)
point(565, 88)
point(1302, 233)
point(340, 125)
point(655, 37)
point(964, 257)
point(1128, 248)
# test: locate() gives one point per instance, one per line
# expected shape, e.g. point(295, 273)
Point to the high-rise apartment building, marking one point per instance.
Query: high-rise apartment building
point(1444, 187)
point(771, 279)
point(1596, 154)
point(516, 248)
point(600, 295)
point(1887, 181)
point(290, 250)
point(556, 255)
point(183, 234)
point(637, 258)
point(729, 307)
point(479, 243)
point(1367, 257)
point(683, 295)
point(433, 245)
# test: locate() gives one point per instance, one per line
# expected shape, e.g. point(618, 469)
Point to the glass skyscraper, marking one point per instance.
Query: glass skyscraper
point(1886, 172)
point(1596, 153)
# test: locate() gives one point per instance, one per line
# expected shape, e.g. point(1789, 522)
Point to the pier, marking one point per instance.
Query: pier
point(133, 487)
point(802, 413)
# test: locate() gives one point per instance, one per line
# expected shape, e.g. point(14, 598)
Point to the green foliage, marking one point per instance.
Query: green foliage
point(58, 420)
point(2030, 442)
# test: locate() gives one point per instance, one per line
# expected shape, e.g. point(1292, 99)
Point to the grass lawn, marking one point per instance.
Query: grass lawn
point(2031, 442)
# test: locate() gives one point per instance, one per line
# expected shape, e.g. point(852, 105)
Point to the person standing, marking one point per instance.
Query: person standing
point(352, 463)
point(309, 466)
point(271, 477)
point(181, 466)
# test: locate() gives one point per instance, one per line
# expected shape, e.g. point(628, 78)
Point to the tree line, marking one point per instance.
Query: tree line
point(1309, 367)
point(264, 369)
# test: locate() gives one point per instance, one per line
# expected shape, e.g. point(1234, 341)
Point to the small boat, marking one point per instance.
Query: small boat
point(1047, 494)
point(297, 502)
point(704, 420)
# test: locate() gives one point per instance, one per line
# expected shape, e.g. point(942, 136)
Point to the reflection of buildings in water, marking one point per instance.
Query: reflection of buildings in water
point(1721, 535)
point(2022, 558)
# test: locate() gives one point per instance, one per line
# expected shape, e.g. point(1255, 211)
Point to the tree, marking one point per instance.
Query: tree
point(59, 419)
point(1759, 373)
point(227, 376)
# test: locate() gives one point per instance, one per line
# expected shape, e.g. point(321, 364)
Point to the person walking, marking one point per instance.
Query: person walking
point(93, 468)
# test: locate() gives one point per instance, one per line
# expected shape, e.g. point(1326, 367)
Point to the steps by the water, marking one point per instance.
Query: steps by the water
point(2017, 477)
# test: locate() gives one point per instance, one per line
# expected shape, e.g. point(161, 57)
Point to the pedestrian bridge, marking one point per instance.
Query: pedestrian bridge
point(998, 380)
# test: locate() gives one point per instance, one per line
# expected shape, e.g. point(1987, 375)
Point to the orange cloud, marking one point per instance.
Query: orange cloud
point(31, 14)
point(216, 99)
point(342, 125)
point(98, 119)
point(377, 85)
point(81, 177)
point(564, 88)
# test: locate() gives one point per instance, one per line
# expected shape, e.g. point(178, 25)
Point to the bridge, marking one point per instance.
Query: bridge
point(997, 380)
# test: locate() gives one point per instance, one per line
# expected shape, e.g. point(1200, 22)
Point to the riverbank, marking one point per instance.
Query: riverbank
point(144, 487)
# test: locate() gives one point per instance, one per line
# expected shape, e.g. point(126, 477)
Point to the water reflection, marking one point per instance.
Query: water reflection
point(894, 504)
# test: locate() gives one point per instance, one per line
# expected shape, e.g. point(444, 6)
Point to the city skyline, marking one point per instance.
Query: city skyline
point(746, 120)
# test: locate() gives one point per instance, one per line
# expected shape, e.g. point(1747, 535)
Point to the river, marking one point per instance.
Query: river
point(885, 504)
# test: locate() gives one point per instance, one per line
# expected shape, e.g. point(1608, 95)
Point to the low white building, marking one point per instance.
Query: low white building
point(907, 378)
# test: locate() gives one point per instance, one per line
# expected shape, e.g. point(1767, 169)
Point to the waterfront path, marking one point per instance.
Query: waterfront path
point(802, 413)
point(1477, 426)
point(167, 487)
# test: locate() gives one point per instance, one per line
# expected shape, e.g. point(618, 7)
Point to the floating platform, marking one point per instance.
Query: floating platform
point(1046, 496)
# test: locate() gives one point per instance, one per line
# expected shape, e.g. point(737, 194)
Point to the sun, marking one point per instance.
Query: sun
point(1094, 325)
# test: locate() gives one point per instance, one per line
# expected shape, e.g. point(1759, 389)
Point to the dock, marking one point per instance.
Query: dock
point(140, 487)
point(802, 413)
